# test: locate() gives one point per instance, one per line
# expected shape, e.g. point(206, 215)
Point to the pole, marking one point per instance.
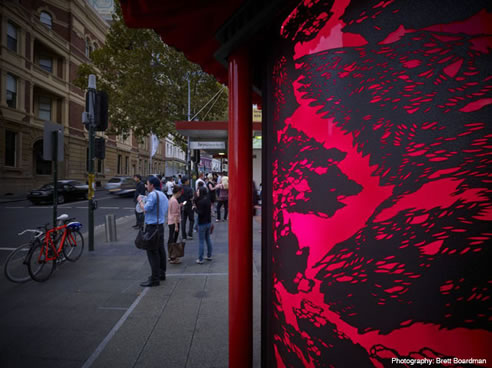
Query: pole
point(91, 95)
point(240, 210)
point(188, 153)
point(55, 176)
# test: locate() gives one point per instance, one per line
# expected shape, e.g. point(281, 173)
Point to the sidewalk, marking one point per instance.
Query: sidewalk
point(17, 197)
point(93, 313)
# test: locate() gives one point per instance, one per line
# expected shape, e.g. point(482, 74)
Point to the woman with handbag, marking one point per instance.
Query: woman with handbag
point(204, 210)
point(155, 209)
point(173, 221)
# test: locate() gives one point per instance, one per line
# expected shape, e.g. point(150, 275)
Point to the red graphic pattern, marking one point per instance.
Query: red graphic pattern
point(381, 183)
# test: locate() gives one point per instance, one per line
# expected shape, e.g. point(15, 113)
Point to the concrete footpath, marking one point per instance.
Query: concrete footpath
point(93, 313)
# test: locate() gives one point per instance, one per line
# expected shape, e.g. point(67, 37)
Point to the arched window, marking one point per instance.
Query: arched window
point(42, 167)
point(46, 19)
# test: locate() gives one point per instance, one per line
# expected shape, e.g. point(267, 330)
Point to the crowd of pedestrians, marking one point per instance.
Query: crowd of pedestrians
point(174, 201)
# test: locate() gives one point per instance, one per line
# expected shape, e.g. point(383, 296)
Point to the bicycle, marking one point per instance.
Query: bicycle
point(15, 267)
point(44, 256)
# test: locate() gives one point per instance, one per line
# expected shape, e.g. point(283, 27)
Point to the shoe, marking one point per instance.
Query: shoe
point(208, 258)
point(217, 220)
point(149, 283)
point(190, 237)
point(176, 261)
point(163, 277)
point(198, 261)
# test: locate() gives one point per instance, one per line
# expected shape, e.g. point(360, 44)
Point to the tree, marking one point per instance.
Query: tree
point(147, 82)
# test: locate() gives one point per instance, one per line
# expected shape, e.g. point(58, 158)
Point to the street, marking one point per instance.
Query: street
point(17, 216)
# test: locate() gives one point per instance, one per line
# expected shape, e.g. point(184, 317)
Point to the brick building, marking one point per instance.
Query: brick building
point(42, 45)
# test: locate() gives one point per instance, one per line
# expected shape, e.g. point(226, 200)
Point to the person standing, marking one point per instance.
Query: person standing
point(199, 180)
point(139, 191)
point(211, 189)
point(174, 219)
point(223, 198)
point(155, 219)
point(204, 210)
point(170, 186)
point(187, 200)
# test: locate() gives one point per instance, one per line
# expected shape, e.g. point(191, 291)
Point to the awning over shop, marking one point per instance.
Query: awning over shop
point(207, 130)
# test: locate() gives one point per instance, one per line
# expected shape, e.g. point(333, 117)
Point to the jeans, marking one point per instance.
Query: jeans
point(204, 236)
point(226, 208)
point(157, 257)
point(187, 214)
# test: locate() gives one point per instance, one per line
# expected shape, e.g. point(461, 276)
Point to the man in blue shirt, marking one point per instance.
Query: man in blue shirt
point(157, 257)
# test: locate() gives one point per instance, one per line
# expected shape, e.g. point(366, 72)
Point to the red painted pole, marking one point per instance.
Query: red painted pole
point(240, 213)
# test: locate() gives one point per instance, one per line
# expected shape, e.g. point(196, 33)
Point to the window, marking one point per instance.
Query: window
point(11, 91)
point(46, 63)
point(12, 37)
point(45, 18)
point(10, 148)
point(118, 169)
point(88, 48)
point(43, 167)
point(126, 165)
point(44, 108)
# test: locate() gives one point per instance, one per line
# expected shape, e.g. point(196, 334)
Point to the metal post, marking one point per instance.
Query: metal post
point(188, 152)
point(91, 95)
point(110, 227)
point(55, 176)
point(240, 213)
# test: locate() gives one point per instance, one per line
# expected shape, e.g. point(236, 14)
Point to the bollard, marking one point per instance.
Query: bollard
point(110, 227)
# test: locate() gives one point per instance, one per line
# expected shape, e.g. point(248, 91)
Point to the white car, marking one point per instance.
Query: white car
point(114, 184)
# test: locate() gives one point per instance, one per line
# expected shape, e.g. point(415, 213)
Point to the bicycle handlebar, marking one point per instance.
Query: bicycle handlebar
point(37, 232)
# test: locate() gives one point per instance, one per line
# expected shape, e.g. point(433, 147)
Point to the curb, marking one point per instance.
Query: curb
point(12, 200)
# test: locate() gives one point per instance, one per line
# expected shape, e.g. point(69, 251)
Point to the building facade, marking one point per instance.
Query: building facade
point(42, 45)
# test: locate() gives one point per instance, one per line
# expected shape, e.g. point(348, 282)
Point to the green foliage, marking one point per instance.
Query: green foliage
point(147, 82)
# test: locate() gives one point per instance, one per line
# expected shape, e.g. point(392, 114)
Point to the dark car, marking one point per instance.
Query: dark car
point(67, 190)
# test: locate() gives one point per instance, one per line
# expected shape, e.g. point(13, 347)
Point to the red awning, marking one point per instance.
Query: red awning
point(189, 26)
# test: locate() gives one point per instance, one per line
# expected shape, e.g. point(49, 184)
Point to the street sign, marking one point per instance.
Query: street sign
point(49, 141)
point(197, 145)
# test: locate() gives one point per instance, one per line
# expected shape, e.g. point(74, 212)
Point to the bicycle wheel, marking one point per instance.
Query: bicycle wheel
point(39, 268)
point(74, 245)
point(15, 267)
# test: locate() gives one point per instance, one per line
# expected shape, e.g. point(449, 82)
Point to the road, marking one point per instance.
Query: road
point(17, 216)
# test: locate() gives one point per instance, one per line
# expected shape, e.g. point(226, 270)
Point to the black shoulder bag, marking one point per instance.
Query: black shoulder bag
point(149, 239)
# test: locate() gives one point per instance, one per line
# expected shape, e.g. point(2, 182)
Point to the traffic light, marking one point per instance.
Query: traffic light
point(100, 148)
point(196, 156)
point(100, 110)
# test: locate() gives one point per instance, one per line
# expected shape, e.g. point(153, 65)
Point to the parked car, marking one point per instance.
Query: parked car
point(114, 184)
point(67, 190)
